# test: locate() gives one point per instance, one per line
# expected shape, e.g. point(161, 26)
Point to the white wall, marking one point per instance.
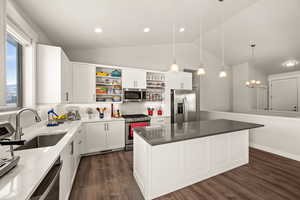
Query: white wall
point(247, 99)
point(23, 23)
point(215, 92)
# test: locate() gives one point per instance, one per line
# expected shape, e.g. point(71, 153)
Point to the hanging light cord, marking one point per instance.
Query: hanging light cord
point(223, 38)
point(174, 43)
point(201, 45)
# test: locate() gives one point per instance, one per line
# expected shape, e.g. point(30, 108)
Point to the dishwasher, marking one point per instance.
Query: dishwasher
point(48, 189)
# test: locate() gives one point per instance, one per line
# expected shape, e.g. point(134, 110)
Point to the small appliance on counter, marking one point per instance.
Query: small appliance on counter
point(7, 164)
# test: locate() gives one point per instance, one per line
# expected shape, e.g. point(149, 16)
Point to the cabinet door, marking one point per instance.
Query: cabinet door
point(84, 83)
point(66, 79)
point(82, 141)
point(116, 135)
point(179, 80)
point(160, 120)
point(66, 172)
point(186, 81)
point(95, 137)
point(141, 79)
point(173, 80)
point(128, 78)
point(134, 78)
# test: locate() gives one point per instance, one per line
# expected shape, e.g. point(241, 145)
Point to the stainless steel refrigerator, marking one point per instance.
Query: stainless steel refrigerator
point(185, 104)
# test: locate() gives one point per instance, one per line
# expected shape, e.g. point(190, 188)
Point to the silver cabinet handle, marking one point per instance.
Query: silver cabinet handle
point(107, 127)
point(72, 148)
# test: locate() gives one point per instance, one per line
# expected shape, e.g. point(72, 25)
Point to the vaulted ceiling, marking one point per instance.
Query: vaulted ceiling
point(71, 23)
point(273, 25)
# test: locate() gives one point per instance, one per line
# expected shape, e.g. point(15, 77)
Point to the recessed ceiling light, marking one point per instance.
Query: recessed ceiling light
point(146, 30)
point(98, 30)
point(181, 30)
point(290, 63)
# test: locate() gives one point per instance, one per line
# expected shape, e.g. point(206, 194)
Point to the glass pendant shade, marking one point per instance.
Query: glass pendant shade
point(174, 68)
point(223, 74)
point(201, 71)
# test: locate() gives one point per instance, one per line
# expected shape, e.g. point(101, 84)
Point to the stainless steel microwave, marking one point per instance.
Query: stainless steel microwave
point(133, 95)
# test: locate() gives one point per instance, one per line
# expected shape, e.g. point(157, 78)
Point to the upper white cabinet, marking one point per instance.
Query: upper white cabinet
point(134, 78)
point(84, 83)
point(54, 75)
point(180, 80)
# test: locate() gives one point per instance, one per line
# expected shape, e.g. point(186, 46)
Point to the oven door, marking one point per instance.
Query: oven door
point(129, 130)
point(133, 95)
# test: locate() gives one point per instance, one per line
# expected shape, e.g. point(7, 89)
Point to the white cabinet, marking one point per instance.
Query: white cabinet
point(67, 170)
point(101, 136)
point(134, 78)
point(79, 146)
point(70, 157)
point(160, 120)
point(84, 83)
point(54, 75)
point(95, 137)
point(180, 80)
point(116, 135)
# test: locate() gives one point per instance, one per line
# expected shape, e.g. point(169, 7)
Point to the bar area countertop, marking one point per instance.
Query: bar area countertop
point(162, 134)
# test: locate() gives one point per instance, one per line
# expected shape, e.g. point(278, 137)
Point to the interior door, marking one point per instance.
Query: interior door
point(284, 95)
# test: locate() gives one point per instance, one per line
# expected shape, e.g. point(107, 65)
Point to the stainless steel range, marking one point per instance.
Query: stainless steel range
point(133, 121)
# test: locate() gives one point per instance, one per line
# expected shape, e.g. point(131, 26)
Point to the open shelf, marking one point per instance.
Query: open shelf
point(111, 86)
point(110, 77)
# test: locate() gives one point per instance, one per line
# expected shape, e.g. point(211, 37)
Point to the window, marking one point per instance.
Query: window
point(13, 74)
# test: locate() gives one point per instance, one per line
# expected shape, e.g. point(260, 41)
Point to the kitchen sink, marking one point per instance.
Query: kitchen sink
point(41, 141)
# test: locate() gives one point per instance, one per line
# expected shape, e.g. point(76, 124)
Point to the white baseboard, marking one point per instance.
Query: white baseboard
point(275, 151)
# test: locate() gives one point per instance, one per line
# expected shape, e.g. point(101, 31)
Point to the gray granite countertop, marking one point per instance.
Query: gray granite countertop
point(162, 134)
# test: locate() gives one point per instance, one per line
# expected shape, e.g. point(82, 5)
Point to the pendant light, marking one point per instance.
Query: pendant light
point(223, 73)
point(253, 82)
point(174, 67)
point(201, 69)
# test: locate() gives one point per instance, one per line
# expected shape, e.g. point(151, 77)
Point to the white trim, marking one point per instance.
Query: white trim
point(17, 32)
point(295, 74)
point(13, 15)
point(275, 151)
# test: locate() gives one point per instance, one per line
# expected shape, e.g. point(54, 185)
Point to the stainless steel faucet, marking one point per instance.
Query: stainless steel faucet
point(19, 133)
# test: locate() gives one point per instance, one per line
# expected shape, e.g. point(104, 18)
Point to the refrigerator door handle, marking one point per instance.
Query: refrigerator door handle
point(185, 109)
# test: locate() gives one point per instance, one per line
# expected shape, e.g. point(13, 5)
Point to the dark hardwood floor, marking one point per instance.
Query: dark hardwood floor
point(266, 177)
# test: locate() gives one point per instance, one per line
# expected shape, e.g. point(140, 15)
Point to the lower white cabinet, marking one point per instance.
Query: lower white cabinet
point(70, 157)
point(66, 171)
point(160, 120)
point(101, 136)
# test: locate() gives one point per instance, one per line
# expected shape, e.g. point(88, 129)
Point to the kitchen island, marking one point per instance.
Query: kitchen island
point(173, 156)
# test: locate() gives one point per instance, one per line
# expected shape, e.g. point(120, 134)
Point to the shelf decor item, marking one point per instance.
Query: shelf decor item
point(116, 73)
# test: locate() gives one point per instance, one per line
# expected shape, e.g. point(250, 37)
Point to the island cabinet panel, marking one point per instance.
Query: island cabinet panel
point(219, 150)
point(196, 167)
point(239, 147)
point(164, 168)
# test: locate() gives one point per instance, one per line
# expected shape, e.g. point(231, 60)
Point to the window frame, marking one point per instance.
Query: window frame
point(11, 39)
